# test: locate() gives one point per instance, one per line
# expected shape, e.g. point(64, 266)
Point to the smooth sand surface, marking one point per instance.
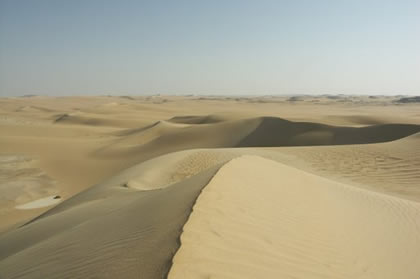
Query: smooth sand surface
point(309, 187)
point(44, 202)
point(261, 219)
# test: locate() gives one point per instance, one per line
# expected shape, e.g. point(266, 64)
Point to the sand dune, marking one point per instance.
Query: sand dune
point(319, 187)
point(258, 218)
point(279, 132)
point(163, 137)
point(205, 119)
point(117, 232)
point(391, 167)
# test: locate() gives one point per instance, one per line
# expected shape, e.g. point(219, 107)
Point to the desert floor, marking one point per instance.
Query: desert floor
point(209, 187)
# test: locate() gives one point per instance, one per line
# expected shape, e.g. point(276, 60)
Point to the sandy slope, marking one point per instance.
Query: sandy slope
point(129, 169)
point(392, 167)
point(261, 219)
point(110, 232)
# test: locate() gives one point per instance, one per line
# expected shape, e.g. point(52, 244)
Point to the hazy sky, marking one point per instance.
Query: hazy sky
point(209, 47)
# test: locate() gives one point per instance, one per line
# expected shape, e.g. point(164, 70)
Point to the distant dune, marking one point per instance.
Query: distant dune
point(279, 132)
point(209, 187)
point(164, 137)
point(206, 119)
point(415, 99)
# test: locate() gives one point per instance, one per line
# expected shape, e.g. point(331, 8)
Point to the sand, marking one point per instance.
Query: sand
point(44, 202)
point(259, 218)
point(210, 186)
point(125, 234)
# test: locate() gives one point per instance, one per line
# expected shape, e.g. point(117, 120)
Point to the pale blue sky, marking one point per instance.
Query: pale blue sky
point(79, 47)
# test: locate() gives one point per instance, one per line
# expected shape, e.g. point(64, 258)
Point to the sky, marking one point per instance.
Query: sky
point(97, 47)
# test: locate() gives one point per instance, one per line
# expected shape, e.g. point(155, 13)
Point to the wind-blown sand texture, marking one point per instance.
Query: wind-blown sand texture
point(259, 218)
point(209, 187)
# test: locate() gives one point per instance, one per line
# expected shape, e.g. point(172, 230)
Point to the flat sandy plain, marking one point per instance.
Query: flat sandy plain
point(209, 187)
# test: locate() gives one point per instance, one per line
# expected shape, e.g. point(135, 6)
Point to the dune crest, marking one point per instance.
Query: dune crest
point(261, 219)
point(108, 232)
point(182, 133)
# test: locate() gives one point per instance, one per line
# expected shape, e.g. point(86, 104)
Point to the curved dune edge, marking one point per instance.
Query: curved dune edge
point(167, 136)
point(261, 219)
point(107, 232)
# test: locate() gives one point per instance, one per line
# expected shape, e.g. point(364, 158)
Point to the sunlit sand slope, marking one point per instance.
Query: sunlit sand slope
point(261, 219)
point(391, 167)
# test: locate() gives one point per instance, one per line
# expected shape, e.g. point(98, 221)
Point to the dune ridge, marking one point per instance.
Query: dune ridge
point(279, 132)
point(88, 235)
point(390, 167)
point(276, 222)
point(164, 136)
